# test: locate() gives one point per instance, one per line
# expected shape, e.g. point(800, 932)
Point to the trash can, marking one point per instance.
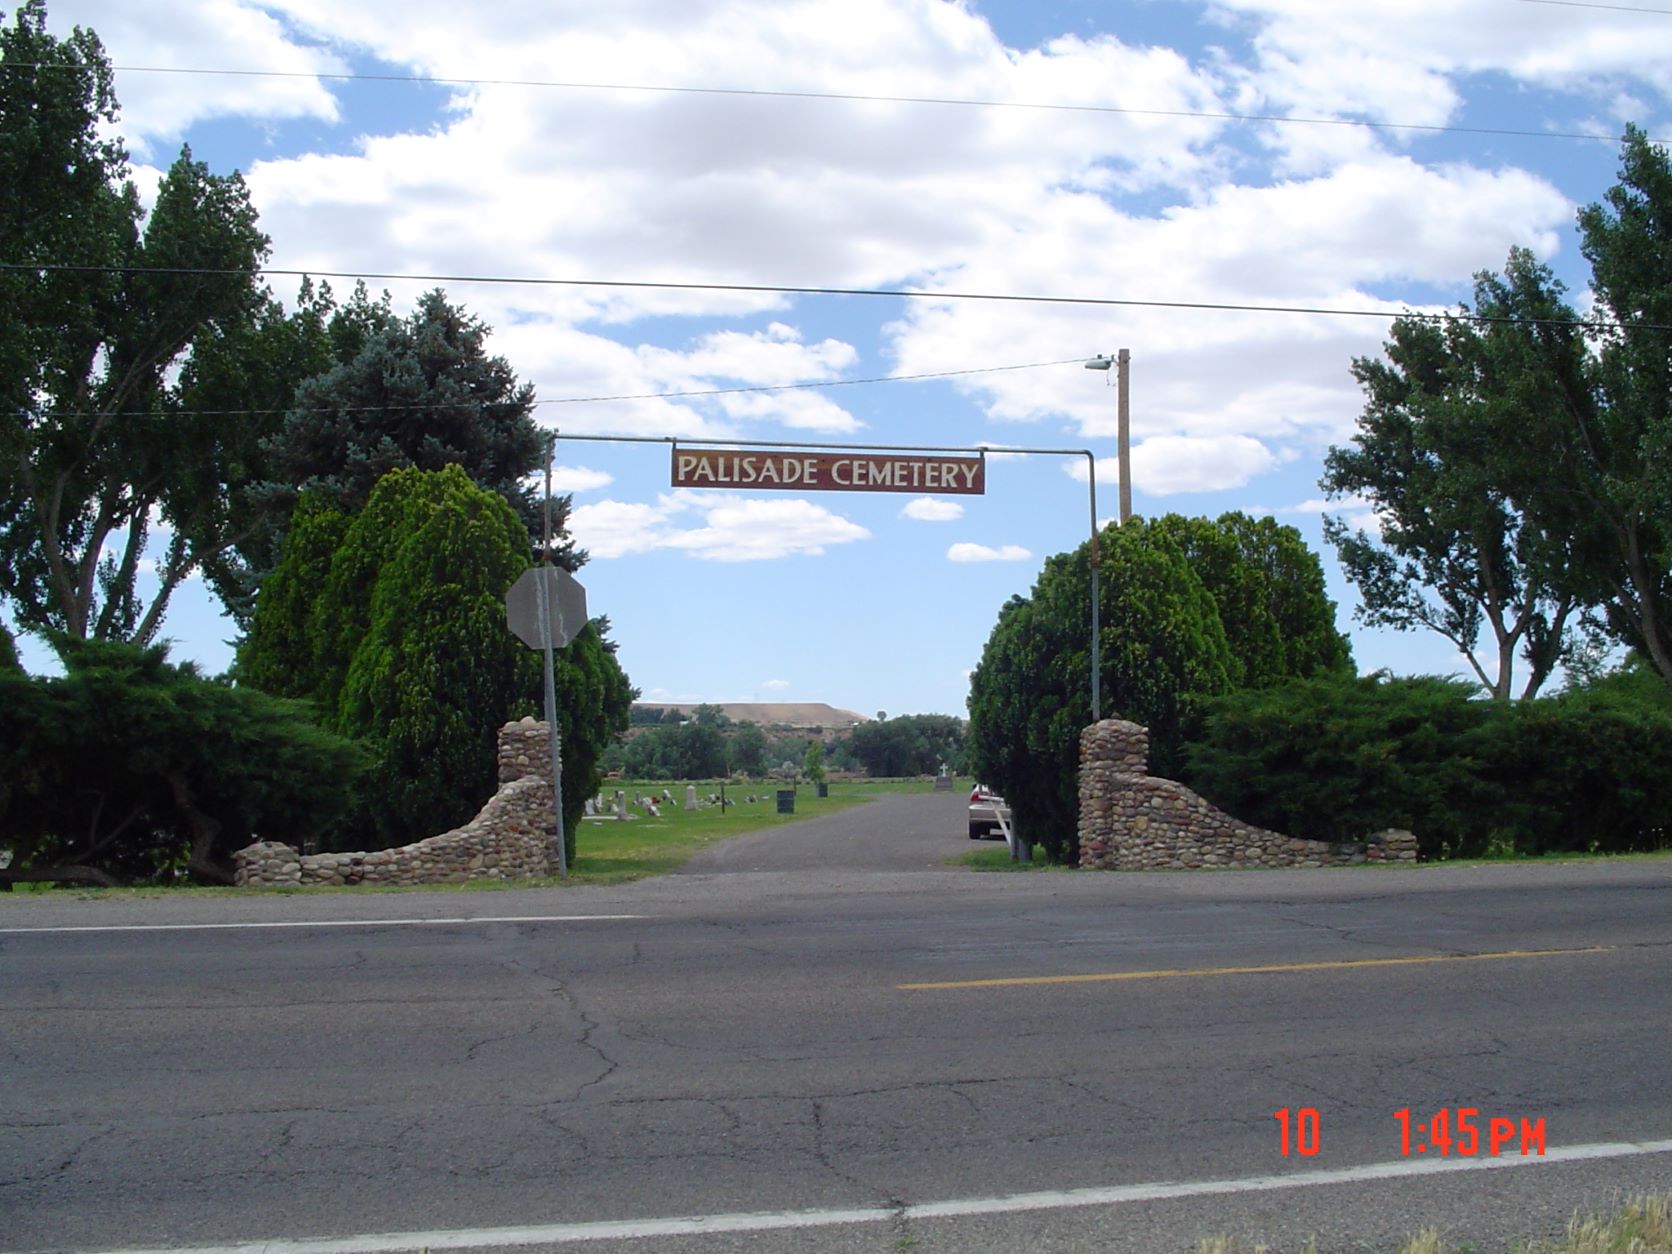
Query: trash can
point(786, 801)
point(824, 789)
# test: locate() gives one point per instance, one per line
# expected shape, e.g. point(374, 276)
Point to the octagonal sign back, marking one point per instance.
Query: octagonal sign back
point(565, 597)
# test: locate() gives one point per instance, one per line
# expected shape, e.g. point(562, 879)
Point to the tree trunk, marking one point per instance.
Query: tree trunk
point(204, 829)
point(1648, 619)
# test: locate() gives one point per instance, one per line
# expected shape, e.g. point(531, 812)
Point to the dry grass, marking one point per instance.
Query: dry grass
point(1641, 1225)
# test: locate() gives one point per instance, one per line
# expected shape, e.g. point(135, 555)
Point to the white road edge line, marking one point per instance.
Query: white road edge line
point(696, 1225)
point(218, 927)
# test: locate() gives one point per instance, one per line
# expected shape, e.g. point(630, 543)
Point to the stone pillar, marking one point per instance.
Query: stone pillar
point(523, 751)
point(267, 864)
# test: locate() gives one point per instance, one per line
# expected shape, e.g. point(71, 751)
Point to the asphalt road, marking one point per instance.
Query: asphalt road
point(898, 833)
point(813, 1056)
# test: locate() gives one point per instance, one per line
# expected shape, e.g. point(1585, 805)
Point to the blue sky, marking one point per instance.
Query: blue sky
point(876, 601)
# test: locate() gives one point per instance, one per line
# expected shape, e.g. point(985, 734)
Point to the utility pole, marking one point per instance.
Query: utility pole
point(1121, 363)
point(1123, 431)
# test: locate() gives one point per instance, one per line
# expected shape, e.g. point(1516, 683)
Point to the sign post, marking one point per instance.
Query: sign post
point(546, 647)
point(546, 609)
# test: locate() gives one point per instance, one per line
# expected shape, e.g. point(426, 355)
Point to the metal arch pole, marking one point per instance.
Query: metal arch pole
point(549, 677)
point(1096, 561)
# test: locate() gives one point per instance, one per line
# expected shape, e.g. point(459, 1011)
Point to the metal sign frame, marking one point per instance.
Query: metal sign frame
point(980, 450)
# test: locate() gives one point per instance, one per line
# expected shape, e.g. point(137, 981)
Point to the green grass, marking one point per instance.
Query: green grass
point(1642, 1225)
point(997, 858)
point(1515, 859)
point(610, 851)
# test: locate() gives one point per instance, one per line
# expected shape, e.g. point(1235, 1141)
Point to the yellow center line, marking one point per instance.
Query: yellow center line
point(1109, 977)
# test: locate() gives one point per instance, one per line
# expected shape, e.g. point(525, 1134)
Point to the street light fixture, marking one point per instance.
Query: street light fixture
point(1123, 434)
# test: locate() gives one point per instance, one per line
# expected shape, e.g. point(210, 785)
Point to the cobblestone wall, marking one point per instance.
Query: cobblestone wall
point(1132, 821)
point(510, 837)
point(524, 750)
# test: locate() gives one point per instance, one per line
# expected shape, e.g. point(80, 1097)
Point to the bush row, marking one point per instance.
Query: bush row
point(1335, 757)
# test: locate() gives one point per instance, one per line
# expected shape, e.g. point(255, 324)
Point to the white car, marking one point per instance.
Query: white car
point(986, 808)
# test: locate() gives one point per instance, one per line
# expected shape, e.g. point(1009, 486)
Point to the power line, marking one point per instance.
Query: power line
point(896, 293)
point(588, 400)
point(862, 97)
point(1586, 4)
point(824, 383)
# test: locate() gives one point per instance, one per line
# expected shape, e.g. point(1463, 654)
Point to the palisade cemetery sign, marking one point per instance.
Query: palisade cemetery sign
point(546, 609)
point(828, 472)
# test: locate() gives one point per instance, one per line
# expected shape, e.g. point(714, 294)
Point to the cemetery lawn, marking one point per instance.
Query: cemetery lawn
point(608, 851)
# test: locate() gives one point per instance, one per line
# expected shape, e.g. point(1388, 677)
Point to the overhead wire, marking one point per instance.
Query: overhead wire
point(1590, 4)
point(625, 396)
point(771, 289)
point(776, 289)
point(857, 97)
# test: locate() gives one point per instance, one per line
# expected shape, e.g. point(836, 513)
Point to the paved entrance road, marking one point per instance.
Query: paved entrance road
point(744, 1045)
point(892, 833)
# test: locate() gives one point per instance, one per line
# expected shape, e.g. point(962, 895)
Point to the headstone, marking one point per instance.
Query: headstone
point(690, 797)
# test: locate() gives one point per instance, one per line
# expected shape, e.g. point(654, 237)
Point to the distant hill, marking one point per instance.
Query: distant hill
point(771, 713)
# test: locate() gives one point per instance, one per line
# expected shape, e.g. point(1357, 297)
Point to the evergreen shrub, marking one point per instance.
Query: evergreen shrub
point(1337, 758)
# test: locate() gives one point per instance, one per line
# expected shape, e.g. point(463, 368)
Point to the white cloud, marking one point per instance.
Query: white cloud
point(1319, 505)
point(966, 552)
point(190, 34)
point(803, 411)
point(581, 183)
point(579, 479)
point(578, 370)
point(1169, 464)
point(776, 685)
point(1395, 60)
point(688, 188)
point(617, 528)
point(731, 529)
point(1326, 241)
point(932, 509)
point(743, 530)
point(771, 357)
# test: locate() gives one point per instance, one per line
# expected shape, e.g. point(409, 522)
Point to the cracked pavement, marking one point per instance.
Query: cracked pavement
point(745, 1046)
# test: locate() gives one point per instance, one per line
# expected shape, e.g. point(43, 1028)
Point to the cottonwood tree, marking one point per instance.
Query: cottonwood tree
point(910, 744)
point(246, 372)
point(1526, 466)
point(103, 303)
point(746, 749)
point(1442, 455)
point(1611, 456)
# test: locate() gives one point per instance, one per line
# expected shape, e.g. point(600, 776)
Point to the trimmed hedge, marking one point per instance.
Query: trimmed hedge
point(1337, 758)
point(130, 768)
